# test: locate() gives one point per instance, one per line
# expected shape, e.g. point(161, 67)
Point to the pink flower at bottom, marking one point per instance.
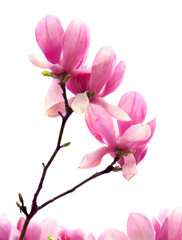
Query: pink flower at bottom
point(123, 137)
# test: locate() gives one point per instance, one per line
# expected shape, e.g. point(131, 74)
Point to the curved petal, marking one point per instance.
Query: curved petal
point(5, 228)
point(15, 234)
point(140, 152)
point(59, 107)
point(49, 34)
point(102, 69)
point(111, 109)
point(139, 227)
point(113, 234)
point(76, 42)
point(157, 226)
point(101, 124)
point(79, 82)
point(163, 234)
point(129, 167)
point(49, 227)
point(33, 231)
point(134, 134)
point(53, 95)
point(80, 103)
point(93, 159)
point(36, 61)
point(175, 224)
point(76, 234)
point(116, 79)
point(135, 106)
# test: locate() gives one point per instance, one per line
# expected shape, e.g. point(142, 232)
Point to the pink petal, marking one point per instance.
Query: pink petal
point(129, 167)
point(15, 234)
point(140, 152)
point(93, 159)
point(175, 224)
point(139, 227)
point(102, 69)
point(33, 231)
point(116, 79)
point(163, 215)
point(163, 234)
point(49, 34)
point(54, 94)
point(5, 228)
point(76, 42)
point(152, 125)
point(111, 109)
point(79, 82)
point(157, 226)
point(135, 133)
point(80, 103)
point(98, 120)
point(76, 234)
point(90, 237)
point(113, 234)
point(42, 63)
point(58, 107)
point(49, 227)
point(135, 106)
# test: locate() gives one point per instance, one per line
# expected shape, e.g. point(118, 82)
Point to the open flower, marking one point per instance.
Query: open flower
point(90, 87)
point(7, 230)
point(64, 51)
point(129, 138)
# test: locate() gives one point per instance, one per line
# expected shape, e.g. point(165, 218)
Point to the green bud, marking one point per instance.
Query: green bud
point(46, 73)
point(18, 204)
point(50, 237)
point(66, 144)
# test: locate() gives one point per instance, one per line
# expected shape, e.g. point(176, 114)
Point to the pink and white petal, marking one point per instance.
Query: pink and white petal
point(152, 125)
point(38, 62)
point(157, 226)
point(133, 134)
point(49, 35)
point(76, 42)
point(163, 215)
point(129, 167)
point(90, 237)
point(111, 109)
point(102, 69)
point(76, 234)
point(80, 103)
point(93, 159)
point(101, 124)
point(175, 224)
point(113, 234)
point(139, 227)
point(49, 226)
point(58, 107)
point(5, 228)
point(116, 79)
point(54, 94)
point(33, 231)
point(15, 234)
point(135, 106)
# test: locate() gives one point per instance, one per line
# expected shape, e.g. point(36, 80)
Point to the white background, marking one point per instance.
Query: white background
point(147, 36)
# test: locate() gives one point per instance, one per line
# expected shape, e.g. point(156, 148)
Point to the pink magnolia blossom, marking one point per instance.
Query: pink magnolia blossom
point(64, 51)
point(140, 227)
point(66, 234)
point(123, 137)
point(103, 78)
point(40, 231)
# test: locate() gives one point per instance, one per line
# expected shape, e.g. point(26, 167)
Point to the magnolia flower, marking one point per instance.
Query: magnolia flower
point(76, 234)
point(139, 227)
point(90, 87)
point(128, 138)
point(64, 51)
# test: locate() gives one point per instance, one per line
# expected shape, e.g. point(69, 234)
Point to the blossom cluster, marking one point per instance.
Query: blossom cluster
point(65, 55)
point(139, 227)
